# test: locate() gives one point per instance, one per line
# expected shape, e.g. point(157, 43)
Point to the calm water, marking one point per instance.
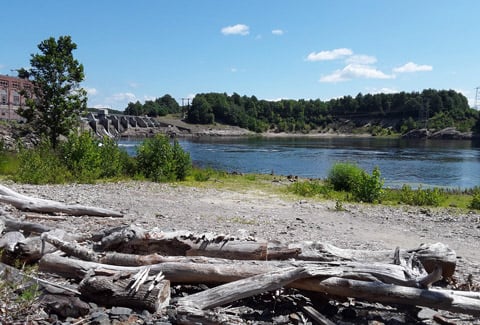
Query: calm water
point(453, 164)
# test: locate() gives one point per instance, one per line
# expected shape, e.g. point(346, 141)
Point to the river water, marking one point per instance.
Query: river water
point(426, 163)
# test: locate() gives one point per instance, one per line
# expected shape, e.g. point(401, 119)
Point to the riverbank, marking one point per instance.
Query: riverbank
point(243, 212)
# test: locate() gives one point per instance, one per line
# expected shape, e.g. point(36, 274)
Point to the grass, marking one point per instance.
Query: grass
point(320, 190)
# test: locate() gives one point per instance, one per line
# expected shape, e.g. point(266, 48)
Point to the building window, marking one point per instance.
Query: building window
point(16, 99)
point(15, 85)
point(3, 83)
point(3, 97)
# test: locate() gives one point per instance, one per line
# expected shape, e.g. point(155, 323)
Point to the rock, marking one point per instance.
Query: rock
point(426, 313)
point(99, 318)
point(120, 311)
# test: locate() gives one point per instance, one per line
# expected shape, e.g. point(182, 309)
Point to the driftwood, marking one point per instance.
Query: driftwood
point(139, 291)
point(183, 243)
point(191, 307)
point(124, 266)
point(27, 203)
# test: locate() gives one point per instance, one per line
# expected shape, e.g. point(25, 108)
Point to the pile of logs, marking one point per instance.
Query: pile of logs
point(134, 267)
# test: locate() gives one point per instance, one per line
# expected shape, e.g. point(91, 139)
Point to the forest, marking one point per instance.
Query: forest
point(380, 113)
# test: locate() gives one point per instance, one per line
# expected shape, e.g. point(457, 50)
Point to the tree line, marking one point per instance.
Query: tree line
point(401, 111)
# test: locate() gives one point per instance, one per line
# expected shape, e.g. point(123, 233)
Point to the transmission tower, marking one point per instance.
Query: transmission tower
point(477, 98)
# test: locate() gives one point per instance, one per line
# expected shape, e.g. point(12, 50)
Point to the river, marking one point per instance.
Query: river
point(427, 163)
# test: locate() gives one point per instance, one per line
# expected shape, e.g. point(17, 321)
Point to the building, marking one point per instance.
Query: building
point(10, 96)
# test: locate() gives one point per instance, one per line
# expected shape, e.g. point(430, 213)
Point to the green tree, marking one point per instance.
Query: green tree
point(58, 100)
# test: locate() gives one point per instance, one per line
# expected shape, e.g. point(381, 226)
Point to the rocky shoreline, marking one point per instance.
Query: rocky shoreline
point(170, 207)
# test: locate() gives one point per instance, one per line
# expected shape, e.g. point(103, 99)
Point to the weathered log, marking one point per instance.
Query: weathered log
point(183, 243)
point(133, 239)
point(240, 289)
point(369, 290)
point(150, 294)
point(387, 293)
point(223, 271)
point(9, 240)
point(27, 203)
point(12, 224)
point(33, 248)
point(430, 255)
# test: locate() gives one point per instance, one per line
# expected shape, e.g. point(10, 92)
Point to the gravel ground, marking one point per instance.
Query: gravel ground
point(269, 216)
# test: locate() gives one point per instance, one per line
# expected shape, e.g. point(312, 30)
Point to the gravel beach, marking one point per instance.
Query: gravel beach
point(266, 215)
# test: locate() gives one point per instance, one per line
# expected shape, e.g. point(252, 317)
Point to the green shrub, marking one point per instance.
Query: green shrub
point(475, 203)
point(159, 160)
point(82, 156)
point(114, 162)
point(309, 188)
point(344, 176)
point(202, 174)
point(41, 165)
point(421, 197)
point(368, 188)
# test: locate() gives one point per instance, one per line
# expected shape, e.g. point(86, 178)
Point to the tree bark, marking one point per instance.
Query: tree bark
point(110, 291)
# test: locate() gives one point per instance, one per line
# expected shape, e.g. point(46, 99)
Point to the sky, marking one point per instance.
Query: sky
point(282, 49)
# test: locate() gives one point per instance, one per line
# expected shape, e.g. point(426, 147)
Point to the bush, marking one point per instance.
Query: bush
point(475, 203)
point(421, 197)
point(82, 156)
point(344, 176)
point(114, 162)
point(368, 188)
point(41, 165)
point(159, 160)
point(310, 188)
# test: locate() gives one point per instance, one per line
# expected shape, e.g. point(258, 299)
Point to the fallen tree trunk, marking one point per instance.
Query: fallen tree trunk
point(223, 271)
point(133, 239)
point(27, 203)
point(193, 305)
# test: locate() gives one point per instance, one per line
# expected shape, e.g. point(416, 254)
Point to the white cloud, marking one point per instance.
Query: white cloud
point(91, 91)
point(233, 70)
point(329, 55)
point(352, 71)
point(412, 67)
point(383, 90)
point(122, 97)
point(238, 29)
point(277, 32)
point(101, 106)
point(361, 59)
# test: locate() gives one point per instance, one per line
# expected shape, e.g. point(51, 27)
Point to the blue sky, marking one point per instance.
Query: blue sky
point(139, 50)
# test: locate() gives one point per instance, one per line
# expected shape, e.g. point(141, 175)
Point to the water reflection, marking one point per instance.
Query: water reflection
point(453, 164)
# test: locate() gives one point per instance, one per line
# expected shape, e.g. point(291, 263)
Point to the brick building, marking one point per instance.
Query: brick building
point(10, 97)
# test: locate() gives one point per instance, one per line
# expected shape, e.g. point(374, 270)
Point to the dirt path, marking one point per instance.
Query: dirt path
point(170, 207)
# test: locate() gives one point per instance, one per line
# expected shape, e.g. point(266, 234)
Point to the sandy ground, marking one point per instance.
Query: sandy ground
point(175, 207)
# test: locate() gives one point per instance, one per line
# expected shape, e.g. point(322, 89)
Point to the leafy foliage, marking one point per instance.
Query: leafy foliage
point(421, 197)
point(475, 202)
point(368, 188)
point(351, 178)
point(400, 112)
point(310, 188)
point(153, 108)
point(344, 176)
point(41, 165)
point(57, 100)
point(159, 160)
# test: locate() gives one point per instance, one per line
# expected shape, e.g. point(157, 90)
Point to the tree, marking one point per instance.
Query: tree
point(58, 100)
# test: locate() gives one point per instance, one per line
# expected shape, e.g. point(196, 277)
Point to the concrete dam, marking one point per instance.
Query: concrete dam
point(118, 126)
